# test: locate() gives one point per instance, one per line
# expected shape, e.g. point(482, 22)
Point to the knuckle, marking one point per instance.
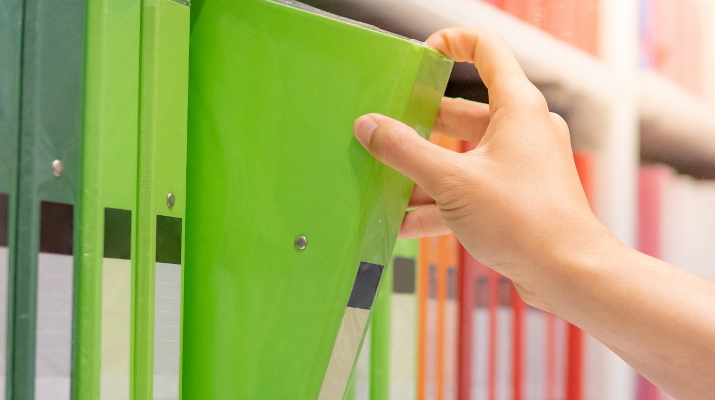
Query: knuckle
point(392, 139)
point(560, 123)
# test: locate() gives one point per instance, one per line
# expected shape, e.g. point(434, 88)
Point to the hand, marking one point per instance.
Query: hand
point(515, 202)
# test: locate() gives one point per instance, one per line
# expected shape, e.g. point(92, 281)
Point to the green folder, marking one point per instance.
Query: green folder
point(161, 199)
point(393, 360)
point(10, 67)
point(103, 323)
point(50, 131)
point(290, 222)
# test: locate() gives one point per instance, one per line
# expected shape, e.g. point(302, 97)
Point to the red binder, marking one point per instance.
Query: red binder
point(574, 382)
point(652, 183)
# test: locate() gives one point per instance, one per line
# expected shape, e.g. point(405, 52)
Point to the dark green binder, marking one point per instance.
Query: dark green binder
point(10, 65)
point(50, 128)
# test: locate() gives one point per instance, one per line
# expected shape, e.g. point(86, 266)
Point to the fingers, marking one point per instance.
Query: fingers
point(462, 119)
point(424, 221)
point(498, 68)
point(401, 148)
point(420, 198)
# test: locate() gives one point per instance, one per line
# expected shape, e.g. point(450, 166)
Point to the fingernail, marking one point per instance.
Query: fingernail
point(364, 127)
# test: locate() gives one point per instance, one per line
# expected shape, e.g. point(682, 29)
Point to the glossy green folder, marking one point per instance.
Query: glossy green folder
point(50, 132)
point(274, 92)
point(10, 66)
point(161, 199)
point(103, 342)
point(393, 360)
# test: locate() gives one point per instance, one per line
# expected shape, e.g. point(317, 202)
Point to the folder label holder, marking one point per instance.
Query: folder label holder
point(351, 330)
point(55, 288)
point(116, 322)
point(480, 370)
point(167, 311)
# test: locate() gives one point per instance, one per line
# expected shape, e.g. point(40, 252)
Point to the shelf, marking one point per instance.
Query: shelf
point(678, 126)
point(545, 59)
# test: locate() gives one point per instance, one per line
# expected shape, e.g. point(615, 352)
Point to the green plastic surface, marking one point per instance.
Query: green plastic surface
point(109, 168)
point(380, 360)
point(51, 123)
point(10, 66)
point(162, 160)
point(274, 92)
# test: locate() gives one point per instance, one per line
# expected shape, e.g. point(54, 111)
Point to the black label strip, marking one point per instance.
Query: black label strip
point(452, 283)
point(365, 287)
point(117, 233)
point(56, 228)
point(481, 291)
point(4, 218)
point(168, 239)
point(403, 275)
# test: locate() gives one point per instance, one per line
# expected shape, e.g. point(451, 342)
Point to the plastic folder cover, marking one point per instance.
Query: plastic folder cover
point(274, 91)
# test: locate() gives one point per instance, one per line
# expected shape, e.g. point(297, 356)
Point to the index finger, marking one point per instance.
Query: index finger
point(497, 66)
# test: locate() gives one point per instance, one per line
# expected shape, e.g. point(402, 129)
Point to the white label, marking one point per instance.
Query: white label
point(4, 267)
point(535, 357)
point(53, 354)
point(505, 357)
point(344, 353)
point(362, 377)
point(480, 354)
point(116, 329)
point(403, 346)
point(451, 348)
point(167, 331)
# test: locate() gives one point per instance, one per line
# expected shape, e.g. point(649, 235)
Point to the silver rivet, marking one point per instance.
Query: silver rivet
point(57, 168)
point(301, 242)
point(170, 200)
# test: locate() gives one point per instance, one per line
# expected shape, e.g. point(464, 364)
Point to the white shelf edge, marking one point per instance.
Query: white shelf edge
point(544, 58)
point(679, 125)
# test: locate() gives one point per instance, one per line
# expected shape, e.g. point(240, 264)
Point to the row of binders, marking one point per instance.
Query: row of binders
point(676, 224)
point(93, 113)
point(447, 327)
point(576, 22)
point(677, 38)
point(202, 227)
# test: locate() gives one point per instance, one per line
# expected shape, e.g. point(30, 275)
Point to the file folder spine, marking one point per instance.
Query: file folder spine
point(161, 198)
point(51, 123)
point(104, 343)
point(10, 73)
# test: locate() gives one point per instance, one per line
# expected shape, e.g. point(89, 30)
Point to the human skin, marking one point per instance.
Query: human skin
point(516, 204)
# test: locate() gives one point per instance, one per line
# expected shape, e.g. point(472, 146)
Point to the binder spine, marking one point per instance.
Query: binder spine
point(161, 198)
point(104, 340)
point(50, 128)
point(11, 12)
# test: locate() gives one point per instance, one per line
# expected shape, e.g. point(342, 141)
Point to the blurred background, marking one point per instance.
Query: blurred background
point(635, 81)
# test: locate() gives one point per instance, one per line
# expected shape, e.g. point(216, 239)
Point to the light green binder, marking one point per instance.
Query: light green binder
point(103, 323)
point(290, 222)
point(161, 199)
point(393, 372)
point(47, 215)
point(10, 67)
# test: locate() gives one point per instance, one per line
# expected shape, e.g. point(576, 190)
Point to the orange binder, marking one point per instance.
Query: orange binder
point(448, 307)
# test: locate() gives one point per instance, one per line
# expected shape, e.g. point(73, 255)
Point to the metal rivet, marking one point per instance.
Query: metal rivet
point(301, 242)
point(57, 168)
point(170, 200)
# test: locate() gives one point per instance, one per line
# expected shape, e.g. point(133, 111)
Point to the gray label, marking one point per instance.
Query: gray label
point(53, 354)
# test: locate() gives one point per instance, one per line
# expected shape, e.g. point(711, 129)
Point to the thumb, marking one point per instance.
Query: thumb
point(400, 147)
